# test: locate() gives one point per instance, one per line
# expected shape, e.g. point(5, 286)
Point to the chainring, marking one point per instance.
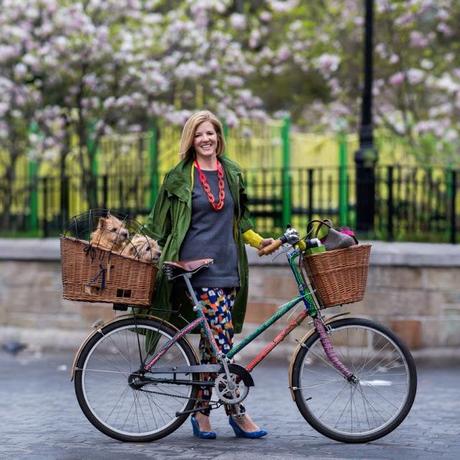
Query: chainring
point(231, 391)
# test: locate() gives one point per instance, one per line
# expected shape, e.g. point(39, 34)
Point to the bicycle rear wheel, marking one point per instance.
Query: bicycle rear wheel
point(107, 394)
point(365, 409)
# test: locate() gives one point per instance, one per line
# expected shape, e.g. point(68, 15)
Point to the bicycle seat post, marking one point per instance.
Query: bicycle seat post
point(187, 277)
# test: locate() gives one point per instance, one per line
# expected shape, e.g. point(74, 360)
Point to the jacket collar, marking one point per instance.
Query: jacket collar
point(179, 181)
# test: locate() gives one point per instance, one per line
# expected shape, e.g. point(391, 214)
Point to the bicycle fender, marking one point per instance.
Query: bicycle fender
point(301, 342)
point(97, 330)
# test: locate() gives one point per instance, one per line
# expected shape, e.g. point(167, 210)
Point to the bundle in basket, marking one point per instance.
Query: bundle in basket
point(339, 276)
point(95, 274)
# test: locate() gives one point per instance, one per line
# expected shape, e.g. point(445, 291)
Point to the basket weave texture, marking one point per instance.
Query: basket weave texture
point(93, 274)
point(339, 277)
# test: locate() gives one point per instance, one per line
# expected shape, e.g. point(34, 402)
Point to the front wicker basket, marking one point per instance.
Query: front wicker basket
point(93, 274)
point(339, 276)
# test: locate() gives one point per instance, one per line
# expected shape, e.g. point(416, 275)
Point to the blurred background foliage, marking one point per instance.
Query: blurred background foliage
point(85, 83)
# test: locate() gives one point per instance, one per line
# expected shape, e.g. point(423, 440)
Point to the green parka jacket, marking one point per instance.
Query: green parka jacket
point(169, 222)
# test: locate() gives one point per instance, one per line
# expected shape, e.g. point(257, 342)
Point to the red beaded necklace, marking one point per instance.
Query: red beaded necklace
point(207, 188)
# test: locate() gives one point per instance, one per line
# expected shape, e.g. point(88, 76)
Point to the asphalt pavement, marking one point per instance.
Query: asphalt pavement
point(40, 419)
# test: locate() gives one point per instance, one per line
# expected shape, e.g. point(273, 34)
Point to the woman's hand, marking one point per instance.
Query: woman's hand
point(264, 243)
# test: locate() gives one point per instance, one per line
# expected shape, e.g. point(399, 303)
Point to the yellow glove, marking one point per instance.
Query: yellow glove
point(252, 238)
point(256, 241)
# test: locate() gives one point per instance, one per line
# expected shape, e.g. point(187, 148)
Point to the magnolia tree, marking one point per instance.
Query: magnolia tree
point(81, 69)
point(74, 70)
point(416, 69)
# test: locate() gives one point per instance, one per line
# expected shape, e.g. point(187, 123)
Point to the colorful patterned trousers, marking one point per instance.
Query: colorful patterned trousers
point(217, 308)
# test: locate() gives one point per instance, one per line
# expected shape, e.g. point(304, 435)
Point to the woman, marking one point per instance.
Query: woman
point(201, 211)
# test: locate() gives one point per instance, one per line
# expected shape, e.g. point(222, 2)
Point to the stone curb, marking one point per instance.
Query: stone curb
point(383, 253)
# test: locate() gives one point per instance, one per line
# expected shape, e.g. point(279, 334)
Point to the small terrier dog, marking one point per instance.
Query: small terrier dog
point(144, 248)
point(110, 234)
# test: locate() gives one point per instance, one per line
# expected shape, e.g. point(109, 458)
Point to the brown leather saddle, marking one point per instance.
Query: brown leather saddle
point(173, 269)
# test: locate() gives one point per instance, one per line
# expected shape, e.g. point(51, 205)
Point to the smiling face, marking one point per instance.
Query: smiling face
point(205, 141)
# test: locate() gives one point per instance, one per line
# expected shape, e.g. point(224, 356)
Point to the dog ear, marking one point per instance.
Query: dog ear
point(101, 223)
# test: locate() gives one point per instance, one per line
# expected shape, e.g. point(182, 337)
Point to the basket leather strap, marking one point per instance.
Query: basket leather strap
point(100, 274)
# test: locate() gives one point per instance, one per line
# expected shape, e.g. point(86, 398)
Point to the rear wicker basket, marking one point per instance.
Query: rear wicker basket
point(339, 276)
point(93, 274)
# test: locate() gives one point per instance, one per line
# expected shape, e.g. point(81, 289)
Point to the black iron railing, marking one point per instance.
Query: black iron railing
point(412, 203)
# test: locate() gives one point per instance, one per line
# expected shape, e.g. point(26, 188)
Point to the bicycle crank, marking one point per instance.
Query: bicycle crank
point(235, 388)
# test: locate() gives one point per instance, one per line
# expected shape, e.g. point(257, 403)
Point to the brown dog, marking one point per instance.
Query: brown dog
point(110, 234)
point(144, 248)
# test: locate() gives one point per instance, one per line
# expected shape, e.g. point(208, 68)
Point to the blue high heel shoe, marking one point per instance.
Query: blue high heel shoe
point(239, 433)
point(201, 434)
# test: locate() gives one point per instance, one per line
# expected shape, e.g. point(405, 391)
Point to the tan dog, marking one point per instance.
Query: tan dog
point(110, 234)
point(144, 248)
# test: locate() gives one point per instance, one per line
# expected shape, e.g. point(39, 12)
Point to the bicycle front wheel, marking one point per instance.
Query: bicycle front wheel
point(109, 369)
point(363, 408)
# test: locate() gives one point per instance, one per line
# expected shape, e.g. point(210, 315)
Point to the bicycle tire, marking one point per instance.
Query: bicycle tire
point(319, 387)
point(103, 368)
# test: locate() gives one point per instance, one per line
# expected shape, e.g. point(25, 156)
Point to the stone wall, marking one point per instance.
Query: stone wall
point(414, 288)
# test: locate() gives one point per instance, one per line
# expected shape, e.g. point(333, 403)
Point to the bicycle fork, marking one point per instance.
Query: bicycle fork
point(330, 352)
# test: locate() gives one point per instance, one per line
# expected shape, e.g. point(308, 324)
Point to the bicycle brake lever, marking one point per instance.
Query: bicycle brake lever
point(284, 251)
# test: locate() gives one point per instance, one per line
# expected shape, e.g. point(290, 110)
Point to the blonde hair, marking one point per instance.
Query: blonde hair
point(186, 149)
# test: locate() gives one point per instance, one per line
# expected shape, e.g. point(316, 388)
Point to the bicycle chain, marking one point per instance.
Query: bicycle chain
point(177, 396)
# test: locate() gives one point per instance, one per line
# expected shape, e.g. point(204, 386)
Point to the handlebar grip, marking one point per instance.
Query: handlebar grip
point(270, 248)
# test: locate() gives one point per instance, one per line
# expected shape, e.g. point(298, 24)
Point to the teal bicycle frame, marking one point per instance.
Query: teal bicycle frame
point(311, 310)
point(305, 295)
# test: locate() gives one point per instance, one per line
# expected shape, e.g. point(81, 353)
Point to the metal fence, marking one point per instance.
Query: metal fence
point(412, 204)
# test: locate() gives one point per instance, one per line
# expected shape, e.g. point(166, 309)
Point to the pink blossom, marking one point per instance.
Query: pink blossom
point(20, 70)
point(383, 5)
point(396, 79)
point(426, 64)
point(3, 108)
point(254, 38)
point(415, 76)
point(445, 29)
point(231, 118)
point(328, 63)
point(405, 19)
point(265, 16)
point(442, 14)
point(8, 52)
point(234, 80)
point(238, 21)
point(282, 6)
point(447, 83)
point(283, 53)
point(418, 40)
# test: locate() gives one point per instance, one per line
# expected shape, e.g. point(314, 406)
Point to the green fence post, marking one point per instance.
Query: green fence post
point(32, 171)
point(92, 151)
point(343, 186)
point(153, 154)
point(94, 163)
point(286, 174)
point(225, 129)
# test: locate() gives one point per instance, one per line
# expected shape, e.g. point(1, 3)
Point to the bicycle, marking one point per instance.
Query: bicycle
point(137, 377)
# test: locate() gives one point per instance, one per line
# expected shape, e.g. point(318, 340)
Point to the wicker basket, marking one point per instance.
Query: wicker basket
point(93, 274)
point(339, 276)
